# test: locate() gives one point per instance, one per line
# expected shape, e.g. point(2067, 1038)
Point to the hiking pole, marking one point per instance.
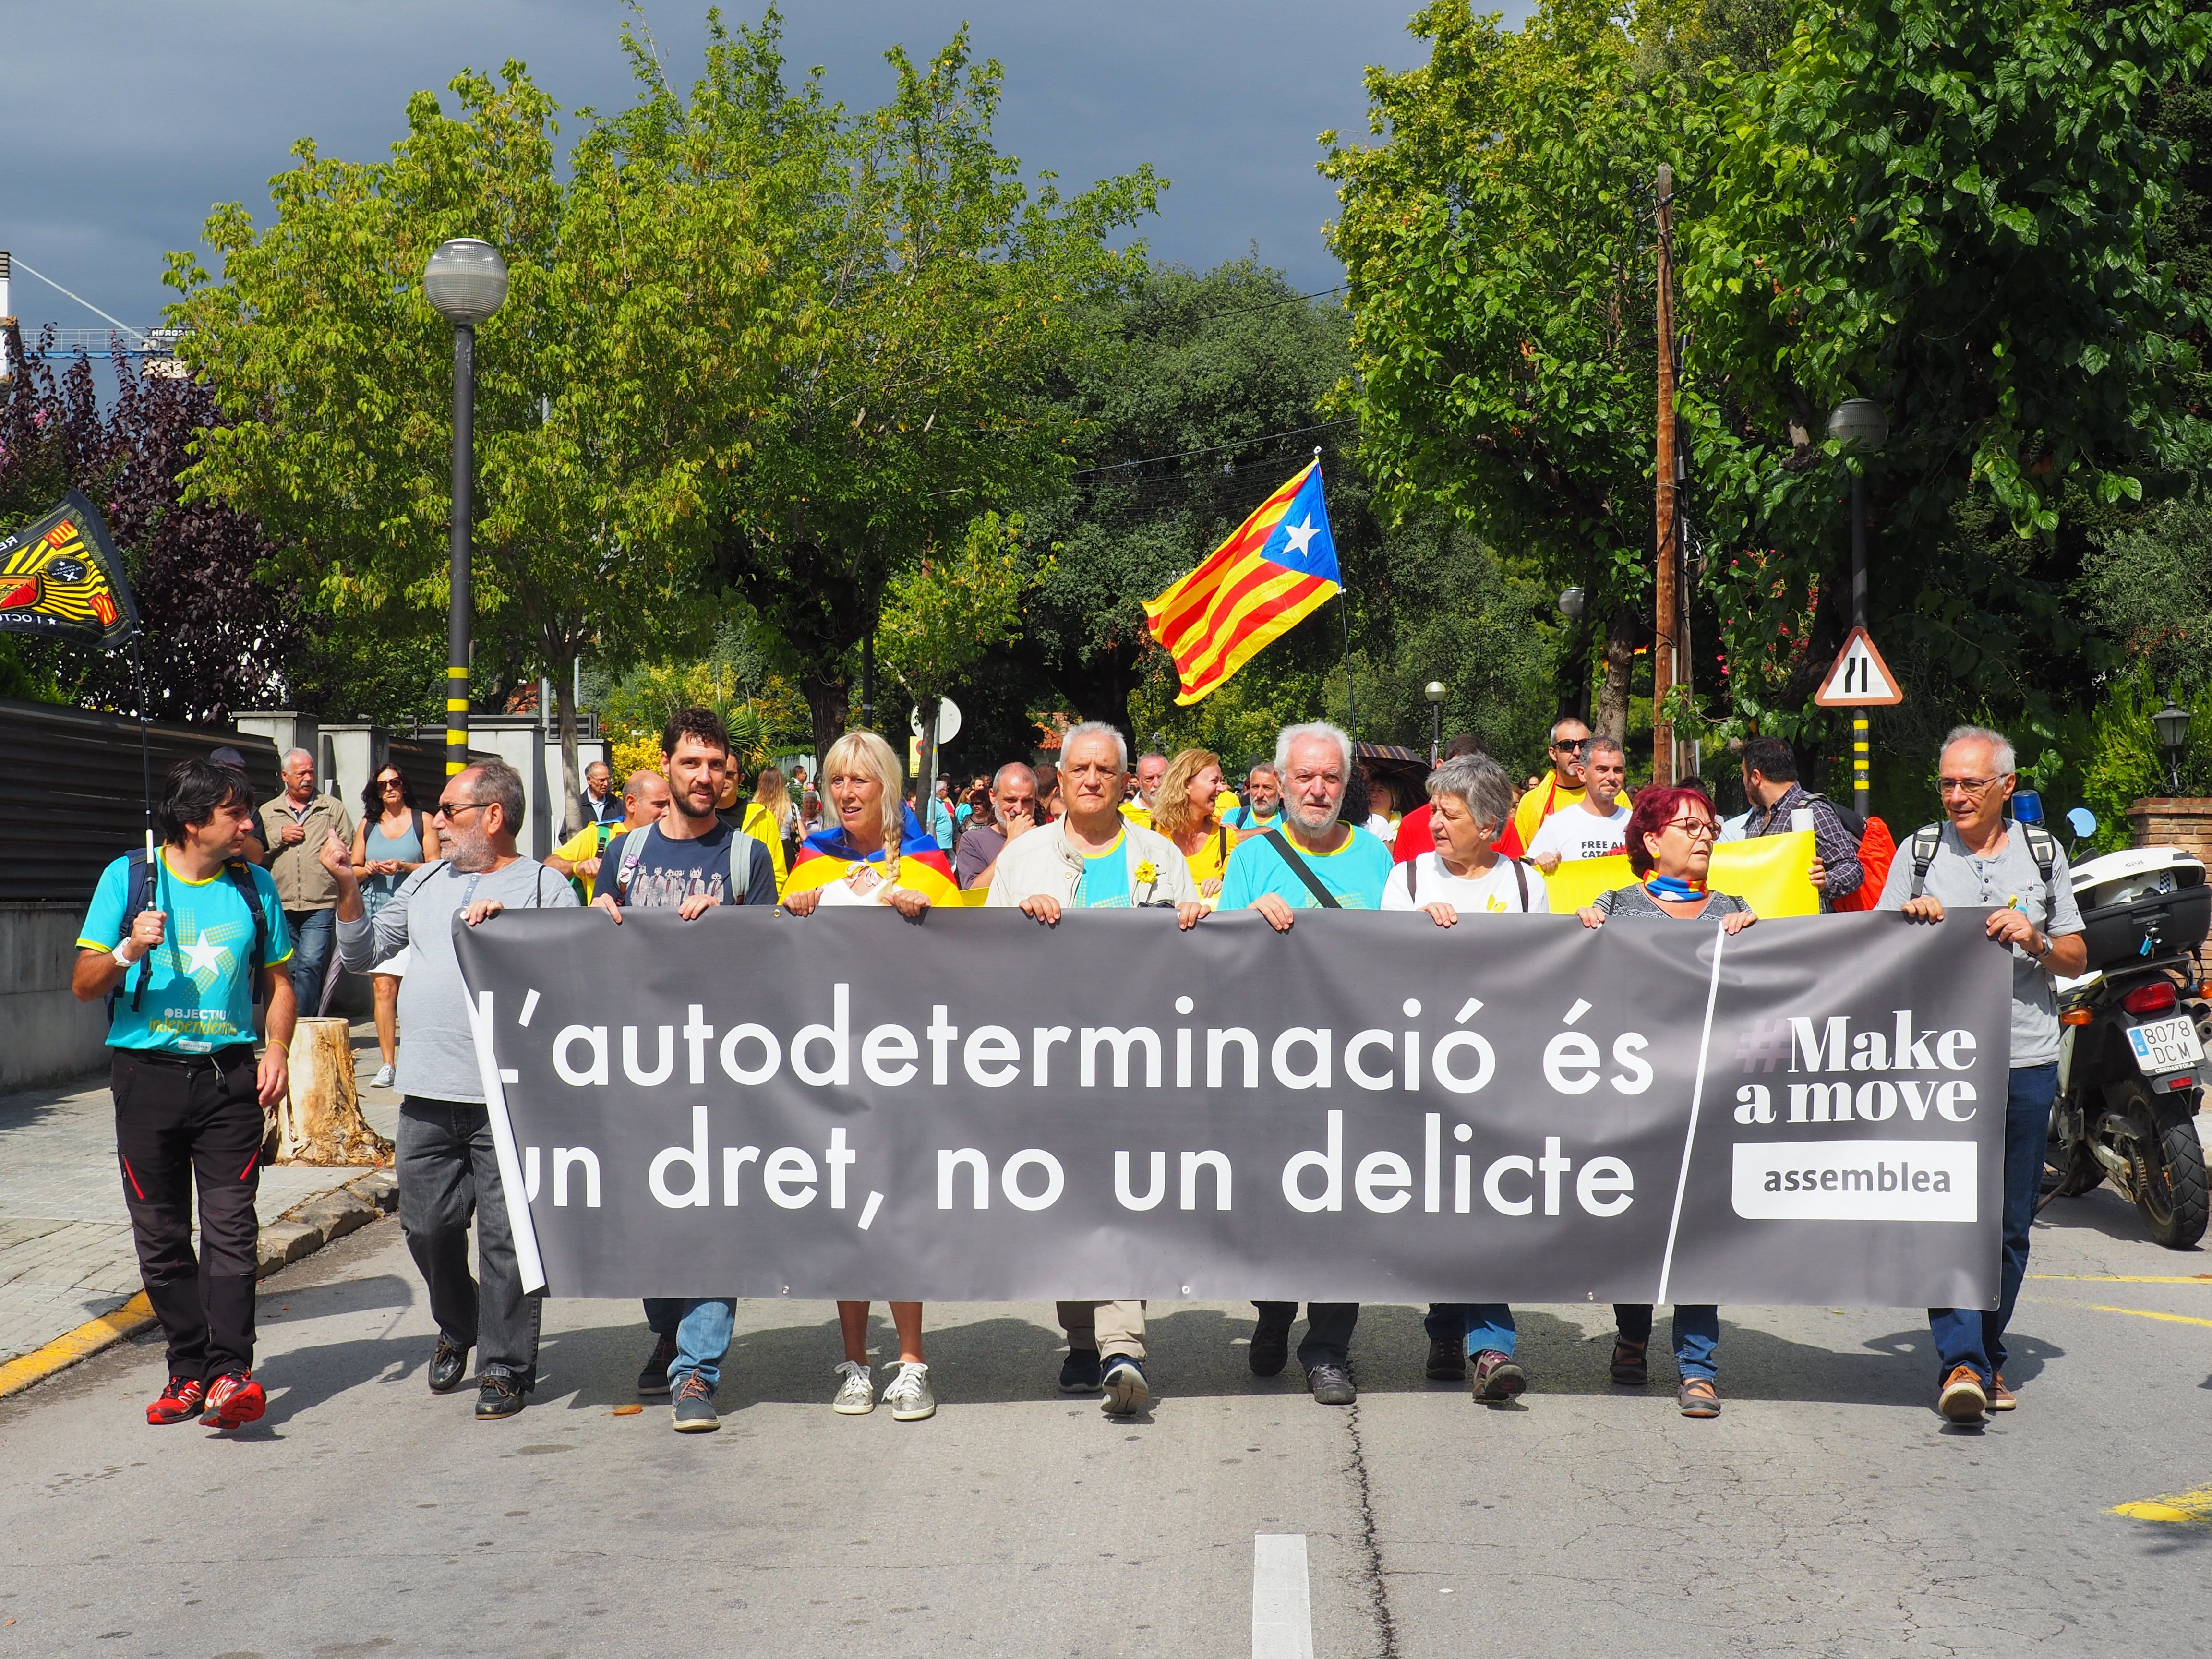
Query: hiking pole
point(145, 751)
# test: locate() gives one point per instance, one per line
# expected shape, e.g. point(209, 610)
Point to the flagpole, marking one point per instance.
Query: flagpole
point(145, 751)
point(1343, 603)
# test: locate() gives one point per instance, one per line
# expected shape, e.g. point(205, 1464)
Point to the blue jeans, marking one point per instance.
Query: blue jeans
point(1697, 1335)
point(1971, 1336)
point(1483, 1326)
point(701, 1326)
point(314, 933)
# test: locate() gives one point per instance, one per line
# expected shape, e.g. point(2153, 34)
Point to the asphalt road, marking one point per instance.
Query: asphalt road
point(1827, 1512)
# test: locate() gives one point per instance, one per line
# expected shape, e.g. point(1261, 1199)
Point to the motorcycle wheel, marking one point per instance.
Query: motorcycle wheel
point(2167, 1178)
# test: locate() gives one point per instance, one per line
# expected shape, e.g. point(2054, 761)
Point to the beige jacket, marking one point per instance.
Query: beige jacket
point(1044, 861)
point(302, 883)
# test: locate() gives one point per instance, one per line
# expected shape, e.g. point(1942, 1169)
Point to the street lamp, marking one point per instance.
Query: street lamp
point(2173, 724)
point(1571, 604)
point(1435, 692)
point(1858, 424)
point(465, 282)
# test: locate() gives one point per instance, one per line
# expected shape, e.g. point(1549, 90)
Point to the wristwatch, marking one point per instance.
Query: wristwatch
point(2049, 945)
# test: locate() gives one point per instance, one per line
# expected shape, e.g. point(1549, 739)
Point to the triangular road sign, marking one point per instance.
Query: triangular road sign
point(1860, 678)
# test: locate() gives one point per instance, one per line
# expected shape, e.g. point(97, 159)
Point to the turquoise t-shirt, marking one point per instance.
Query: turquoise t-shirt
point(1355, 872)
point(1105, 883)
point(199, 996)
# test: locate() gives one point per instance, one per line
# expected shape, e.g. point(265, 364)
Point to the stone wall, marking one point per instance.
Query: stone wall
point(2162, 821)
point(46, 1033)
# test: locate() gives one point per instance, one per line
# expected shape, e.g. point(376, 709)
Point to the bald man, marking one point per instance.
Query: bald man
point(645, 798)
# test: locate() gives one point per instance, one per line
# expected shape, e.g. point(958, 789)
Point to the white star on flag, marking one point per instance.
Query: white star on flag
point(1298, 536)
point(203, 956)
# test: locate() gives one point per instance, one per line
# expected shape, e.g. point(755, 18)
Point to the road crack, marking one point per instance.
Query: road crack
point(1370, 1548)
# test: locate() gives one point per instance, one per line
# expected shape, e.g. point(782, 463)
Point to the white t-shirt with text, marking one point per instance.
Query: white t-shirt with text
point(1576, 832)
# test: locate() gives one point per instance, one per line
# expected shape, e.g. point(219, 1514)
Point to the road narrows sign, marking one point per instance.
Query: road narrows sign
point(1860, 678)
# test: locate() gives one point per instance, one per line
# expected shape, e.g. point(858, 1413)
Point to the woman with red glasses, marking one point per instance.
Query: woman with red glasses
point(1670, 848)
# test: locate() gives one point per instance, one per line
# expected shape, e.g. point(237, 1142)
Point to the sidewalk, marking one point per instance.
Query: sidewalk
point(65, 1252)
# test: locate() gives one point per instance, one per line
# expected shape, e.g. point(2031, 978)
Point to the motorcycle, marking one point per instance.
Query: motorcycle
point(2131, 1045)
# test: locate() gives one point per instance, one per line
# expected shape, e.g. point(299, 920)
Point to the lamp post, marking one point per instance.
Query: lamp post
point(2173, 724)
point(1858, 424)
point(465, 282)
point(1435, 693)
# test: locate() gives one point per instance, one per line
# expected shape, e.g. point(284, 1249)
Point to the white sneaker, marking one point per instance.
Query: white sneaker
point(909, 1394)
point(856, 1394)
point(382, 1079)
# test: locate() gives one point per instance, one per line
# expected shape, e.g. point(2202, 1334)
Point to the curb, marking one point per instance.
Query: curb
point(301, 1231)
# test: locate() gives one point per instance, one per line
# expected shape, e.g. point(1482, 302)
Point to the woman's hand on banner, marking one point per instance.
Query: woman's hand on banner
point(1443, 914)
point(909, 904)
point(1736, 923)
point(800, 903)
point(1591, 916)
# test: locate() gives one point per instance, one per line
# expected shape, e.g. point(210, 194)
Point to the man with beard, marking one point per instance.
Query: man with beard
point(446, 1165)
point(1313, 862)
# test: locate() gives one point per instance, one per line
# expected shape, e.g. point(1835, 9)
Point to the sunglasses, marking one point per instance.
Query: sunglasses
point(453, 809)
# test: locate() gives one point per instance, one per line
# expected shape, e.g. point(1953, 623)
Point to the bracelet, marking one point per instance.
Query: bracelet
point(122, 961)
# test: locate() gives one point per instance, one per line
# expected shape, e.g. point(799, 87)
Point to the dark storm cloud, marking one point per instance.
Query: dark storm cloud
point(187, 107)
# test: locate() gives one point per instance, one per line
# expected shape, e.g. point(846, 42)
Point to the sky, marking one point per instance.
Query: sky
point(179, 107)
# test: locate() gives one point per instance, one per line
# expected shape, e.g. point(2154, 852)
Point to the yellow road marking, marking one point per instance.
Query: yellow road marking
point(63, 1351)
point(2171, 1506)
point(2128, 1279)
point(2145, 1313)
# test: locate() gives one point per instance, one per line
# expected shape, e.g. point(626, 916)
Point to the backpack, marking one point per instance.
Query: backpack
point(139, 878)
point(1927, 838)
point(1877, 852)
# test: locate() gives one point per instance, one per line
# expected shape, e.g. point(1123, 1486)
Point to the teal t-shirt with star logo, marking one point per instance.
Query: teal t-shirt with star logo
point(199, 997)
point(1105, 884)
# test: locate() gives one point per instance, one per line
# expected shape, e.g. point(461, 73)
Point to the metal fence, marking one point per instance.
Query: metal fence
point(74, 777)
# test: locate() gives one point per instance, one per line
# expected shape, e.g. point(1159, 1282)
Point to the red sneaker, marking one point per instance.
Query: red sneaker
point(234, 1400)
point(179, 1399)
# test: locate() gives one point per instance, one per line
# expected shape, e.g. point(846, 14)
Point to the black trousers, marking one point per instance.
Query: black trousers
point(449, 1174)
point(176, 1125)
point(1329, 1329)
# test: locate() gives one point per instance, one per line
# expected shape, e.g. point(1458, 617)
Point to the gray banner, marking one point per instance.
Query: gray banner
point(1369, 1108)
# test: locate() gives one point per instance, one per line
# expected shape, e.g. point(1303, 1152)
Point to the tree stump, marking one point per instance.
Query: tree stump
point(320, 1121)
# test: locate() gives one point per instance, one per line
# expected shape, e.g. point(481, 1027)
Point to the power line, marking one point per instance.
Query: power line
point(21, 264)
point(1215, 449)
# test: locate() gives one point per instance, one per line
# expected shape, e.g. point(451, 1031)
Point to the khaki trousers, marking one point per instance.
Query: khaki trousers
point(1111, 1328)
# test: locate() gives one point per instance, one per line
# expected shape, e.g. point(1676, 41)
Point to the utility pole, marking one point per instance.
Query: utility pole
point(1667, 621)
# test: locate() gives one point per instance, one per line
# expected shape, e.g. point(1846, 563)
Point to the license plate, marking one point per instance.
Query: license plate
point(2166, 1045)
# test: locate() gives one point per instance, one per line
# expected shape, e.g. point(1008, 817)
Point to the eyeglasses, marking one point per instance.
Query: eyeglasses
point(453, 809)
point(1695, 829)
point(1962, 785)
point(1574, 748)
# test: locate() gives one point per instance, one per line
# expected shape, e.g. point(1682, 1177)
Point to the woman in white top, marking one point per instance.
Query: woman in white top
point(863, 861)
point(1472, 798)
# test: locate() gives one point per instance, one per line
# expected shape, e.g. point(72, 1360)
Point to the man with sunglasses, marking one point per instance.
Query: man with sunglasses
point(1977, 857)
point(1559, 788)
point(446, 1165)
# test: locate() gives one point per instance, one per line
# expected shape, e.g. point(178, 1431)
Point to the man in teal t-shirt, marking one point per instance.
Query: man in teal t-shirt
point(1350, 864)
point(189, 1096)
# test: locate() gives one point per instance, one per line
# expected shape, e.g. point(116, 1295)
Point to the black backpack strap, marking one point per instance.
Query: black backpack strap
point(1926, 840)
point(1302, 870)
point(2044, 850)
point(241, 877)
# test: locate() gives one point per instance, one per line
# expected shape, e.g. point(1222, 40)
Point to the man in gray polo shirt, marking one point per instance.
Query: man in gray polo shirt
point(448, 1166)
point(1982, 858)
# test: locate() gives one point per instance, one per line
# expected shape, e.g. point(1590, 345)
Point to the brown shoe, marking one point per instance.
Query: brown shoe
point(1629, 1364)
point(1447, 1360)
point(2002, 1399)
point(1962, 1400)
point(1698, 1397)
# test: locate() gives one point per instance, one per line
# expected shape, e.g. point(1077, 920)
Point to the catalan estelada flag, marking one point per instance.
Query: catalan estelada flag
point(829, 855)
point(1277, 569)
point(63, 578)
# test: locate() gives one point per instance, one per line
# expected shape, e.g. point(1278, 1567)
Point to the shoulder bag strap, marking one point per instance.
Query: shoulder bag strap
point(1521, 881)
point(2045, 851)
point(1302, 870)
point(1926, 840)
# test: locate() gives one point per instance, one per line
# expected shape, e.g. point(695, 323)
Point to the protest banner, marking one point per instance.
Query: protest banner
point(1366, 1107)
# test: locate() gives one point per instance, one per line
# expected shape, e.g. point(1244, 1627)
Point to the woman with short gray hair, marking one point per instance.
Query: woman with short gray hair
point(1471, 800)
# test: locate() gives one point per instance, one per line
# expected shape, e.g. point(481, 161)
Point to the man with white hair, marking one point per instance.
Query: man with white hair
point(1096, 859)
point(1977, 858)
point(1151, 767)
point(1313, 862)
point(293, 827)
point(1013, 815)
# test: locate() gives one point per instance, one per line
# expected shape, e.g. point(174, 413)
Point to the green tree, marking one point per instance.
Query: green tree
point(641, 329)
point(1498, 241)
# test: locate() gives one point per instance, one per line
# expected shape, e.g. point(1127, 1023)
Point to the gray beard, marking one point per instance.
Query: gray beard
point(472, 855)
point(1307, 827)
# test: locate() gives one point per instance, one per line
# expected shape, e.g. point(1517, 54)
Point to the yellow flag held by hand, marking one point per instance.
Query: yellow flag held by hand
point(1768, 874)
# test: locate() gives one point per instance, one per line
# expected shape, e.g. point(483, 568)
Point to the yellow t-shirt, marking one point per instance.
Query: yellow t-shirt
point(1138, 813)
point(1549, 796)
point(1212, 860)
point(585, 844)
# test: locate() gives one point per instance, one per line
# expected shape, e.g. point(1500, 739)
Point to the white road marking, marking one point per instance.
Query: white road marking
point(1282, 1610)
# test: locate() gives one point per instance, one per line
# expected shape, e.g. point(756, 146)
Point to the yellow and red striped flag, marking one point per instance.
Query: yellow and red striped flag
point(1278, 568)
